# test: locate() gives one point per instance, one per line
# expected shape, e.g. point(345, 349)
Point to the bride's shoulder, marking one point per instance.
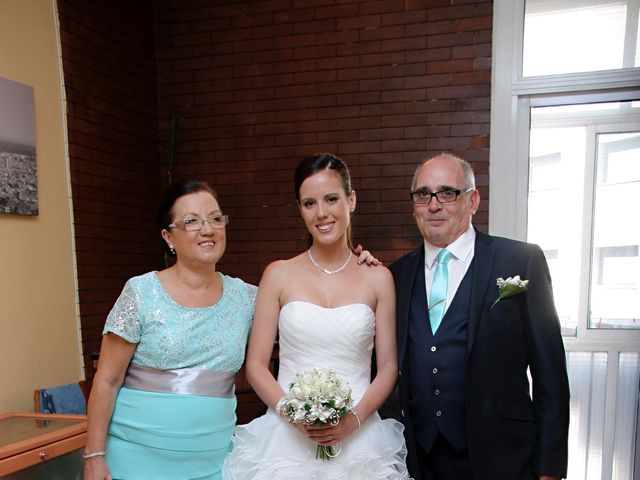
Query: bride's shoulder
point(282, 267)
point(376, 273)
point(378, 278)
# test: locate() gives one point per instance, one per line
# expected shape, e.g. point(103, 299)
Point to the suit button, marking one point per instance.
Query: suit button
point(399, 373)
point(438, 413)
point(436, 391)
point(435, 370)
point(434, 348)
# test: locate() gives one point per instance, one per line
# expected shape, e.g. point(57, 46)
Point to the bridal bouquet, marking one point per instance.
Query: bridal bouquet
point(317, 397)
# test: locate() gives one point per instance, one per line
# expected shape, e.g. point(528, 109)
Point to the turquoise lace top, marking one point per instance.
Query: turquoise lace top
point(172, 336)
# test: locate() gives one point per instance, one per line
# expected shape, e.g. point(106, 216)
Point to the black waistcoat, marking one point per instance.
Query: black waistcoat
point(437, 366)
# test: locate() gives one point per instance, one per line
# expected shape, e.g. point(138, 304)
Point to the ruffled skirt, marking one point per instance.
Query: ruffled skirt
point(269, 448)
point(169, 436)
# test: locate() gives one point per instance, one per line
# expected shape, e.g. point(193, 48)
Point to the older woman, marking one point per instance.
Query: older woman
point(162, 403)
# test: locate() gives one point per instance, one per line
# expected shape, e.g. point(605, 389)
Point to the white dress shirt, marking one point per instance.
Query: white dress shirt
point(462, 249)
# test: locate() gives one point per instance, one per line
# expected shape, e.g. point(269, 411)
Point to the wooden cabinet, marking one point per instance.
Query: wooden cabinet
point(45, 445)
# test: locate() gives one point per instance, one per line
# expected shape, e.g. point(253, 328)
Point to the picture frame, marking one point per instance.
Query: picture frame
point(18, 173)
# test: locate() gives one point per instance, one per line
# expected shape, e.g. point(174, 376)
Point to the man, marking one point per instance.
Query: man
point(464, 354)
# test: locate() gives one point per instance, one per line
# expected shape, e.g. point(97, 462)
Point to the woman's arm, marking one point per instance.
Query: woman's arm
point(263, 335)
point(385, 345)
point(115, 355)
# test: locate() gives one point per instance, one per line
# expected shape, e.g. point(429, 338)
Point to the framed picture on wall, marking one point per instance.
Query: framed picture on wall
point(18, 179)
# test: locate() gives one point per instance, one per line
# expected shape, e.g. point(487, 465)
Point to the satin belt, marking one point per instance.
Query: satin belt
point(189, 381)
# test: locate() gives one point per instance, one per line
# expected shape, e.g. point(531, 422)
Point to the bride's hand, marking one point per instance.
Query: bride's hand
point(332, 435)
point(365, 256)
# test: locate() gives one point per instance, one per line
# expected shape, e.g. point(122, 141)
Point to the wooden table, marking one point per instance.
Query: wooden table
point(47, 445)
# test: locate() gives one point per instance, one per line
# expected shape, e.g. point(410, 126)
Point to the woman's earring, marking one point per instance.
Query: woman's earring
point(173, 250)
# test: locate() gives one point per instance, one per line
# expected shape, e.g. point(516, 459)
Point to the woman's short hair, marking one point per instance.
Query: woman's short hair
point(173, 192)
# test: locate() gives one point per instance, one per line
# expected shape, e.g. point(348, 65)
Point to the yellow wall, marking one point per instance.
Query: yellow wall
point(39, 336)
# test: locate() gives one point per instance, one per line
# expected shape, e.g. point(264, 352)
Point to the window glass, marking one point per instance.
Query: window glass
point(583, 186)
point(626, 426)
point(556, 187)
point(570, 36)
point(615, 272)
point(588, 384)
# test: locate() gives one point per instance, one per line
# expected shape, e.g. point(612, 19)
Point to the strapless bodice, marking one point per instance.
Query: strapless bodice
point(339, 338)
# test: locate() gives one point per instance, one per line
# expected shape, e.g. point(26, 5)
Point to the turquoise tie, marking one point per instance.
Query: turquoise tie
point(438, 296)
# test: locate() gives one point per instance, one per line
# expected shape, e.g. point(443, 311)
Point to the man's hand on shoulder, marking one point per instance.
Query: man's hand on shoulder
point(365, 256)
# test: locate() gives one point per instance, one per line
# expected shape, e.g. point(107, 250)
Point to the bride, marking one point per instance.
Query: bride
point(328, 313)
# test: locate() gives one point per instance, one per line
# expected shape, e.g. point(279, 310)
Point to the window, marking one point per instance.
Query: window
point(564, 173)
point(566, 36)
point(583, 182)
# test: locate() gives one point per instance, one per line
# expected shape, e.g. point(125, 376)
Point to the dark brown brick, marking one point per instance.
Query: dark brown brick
point(255, 86)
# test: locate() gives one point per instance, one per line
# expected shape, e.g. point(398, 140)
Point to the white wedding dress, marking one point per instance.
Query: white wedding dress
point(340, 339)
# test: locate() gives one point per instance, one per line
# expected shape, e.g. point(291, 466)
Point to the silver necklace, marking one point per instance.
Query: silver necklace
point(326, 270)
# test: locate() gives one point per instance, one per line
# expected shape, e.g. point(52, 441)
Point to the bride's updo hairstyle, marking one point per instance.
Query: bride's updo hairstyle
point(316, 163)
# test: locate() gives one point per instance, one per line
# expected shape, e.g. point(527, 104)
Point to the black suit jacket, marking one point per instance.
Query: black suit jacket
point(511, 435)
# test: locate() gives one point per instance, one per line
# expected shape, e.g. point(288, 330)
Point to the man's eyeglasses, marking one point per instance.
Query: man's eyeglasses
point(193, 224)
point(422, 196)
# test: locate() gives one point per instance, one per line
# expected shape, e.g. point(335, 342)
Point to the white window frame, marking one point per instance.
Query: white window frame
point(512, 97)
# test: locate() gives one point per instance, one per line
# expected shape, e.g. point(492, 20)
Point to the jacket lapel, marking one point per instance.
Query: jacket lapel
point(483, 258)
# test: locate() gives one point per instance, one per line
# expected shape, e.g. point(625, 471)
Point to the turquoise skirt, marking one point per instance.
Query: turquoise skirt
point(169, 436)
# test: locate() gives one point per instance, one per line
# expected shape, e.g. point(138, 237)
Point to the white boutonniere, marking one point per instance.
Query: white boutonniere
point(509, 287)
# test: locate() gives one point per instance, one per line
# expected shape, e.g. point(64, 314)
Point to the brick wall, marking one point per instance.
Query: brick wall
point(253, 86)
point(257, 85)
point(110, 83)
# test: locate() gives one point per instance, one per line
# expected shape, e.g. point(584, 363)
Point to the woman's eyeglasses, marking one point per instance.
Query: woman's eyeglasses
point(193, 224)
